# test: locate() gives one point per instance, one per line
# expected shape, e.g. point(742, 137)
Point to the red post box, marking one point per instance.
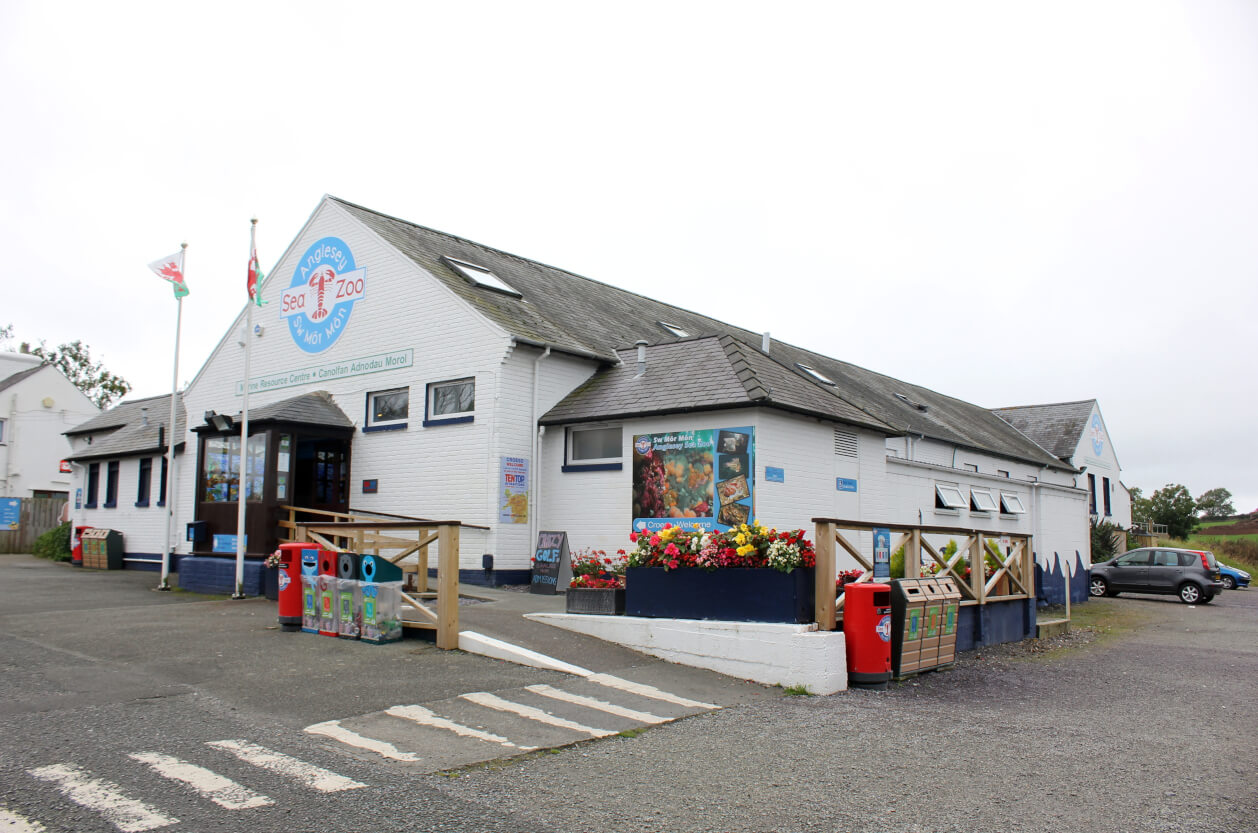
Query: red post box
point(327, 592)
point(867, 634)
point(290, 585)
point(76, 546)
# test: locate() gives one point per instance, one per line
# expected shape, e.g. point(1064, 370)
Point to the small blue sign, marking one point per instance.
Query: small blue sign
point(845, 484)
point(227, 543)
point(10, 512)
point(882, 553)
point(773, 475)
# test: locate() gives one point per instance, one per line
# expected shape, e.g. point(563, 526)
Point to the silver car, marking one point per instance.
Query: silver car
point(1193, 575)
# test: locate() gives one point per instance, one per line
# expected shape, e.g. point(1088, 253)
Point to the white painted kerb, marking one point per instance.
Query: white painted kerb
point(776, 654)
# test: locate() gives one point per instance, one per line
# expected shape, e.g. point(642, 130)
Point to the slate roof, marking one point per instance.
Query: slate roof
point(315, 408)
point(13, 379)
point(573, 314)
point(1057, 427)
point(124, 430)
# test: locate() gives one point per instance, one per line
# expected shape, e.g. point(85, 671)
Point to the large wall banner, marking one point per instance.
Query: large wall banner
point(513, 504)
point(704, 477)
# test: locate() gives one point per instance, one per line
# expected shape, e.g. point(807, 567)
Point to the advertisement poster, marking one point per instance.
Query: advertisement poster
point(882, 553)
point(704, 477)
point(513, 506)
point(10, 513)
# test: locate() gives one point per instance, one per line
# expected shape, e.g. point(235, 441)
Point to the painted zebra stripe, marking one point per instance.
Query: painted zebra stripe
point(310, 775)
point(333, 729)
point(222, 791)
point(104, 797)
point(424, 717)
point(492, 701)
point(592, 703)
point(11, 822)
point(648, 691)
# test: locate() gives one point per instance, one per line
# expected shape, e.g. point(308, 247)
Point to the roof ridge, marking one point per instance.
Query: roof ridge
point(1044, 405)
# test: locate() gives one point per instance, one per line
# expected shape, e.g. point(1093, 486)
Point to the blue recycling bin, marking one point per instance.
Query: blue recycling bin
point(381, 587)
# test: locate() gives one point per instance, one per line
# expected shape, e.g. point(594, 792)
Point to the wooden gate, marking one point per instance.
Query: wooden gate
point(37, 516)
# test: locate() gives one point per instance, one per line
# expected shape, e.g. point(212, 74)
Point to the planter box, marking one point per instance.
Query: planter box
point(605, 601)
point(733, 595)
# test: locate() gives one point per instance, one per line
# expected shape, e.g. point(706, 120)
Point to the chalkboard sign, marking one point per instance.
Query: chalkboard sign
point(550, 563)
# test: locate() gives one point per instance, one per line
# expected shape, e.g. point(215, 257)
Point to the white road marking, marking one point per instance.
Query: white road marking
point(333, 729)
point(312, 776)
point(592, 703)
point(493, 701)
point(222, 791)
point(104, 797)
point(424, 717)
point(648, 691)
point(11, 822)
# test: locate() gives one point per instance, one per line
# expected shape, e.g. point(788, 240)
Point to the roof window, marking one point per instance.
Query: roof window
point(480, 276)
point(674, 329)
point(820, 377)
point(918, 405)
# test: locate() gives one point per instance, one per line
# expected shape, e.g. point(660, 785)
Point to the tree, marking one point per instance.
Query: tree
point(74, 359)
point(1173, 506)
point(1105, 536)
point(1216, 503)
point(1141, 506)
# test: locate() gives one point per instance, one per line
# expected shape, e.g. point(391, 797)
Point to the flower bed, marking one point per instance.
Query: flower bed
point(598, 583)
point(747, 545)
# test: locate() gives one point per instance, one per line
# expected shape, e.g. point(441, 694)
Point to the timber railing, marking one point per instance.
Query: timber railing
point(1013, 568)
point(395, 540)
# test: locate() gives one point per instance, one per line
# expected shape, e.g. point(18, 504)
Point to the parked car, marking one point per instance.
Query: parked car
point(1233, 578)
point(1192, 575)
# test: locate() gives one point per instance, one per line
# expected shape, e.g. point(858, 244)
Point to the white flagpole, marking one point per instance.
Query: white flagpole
point(244, 440)
point(167, 548)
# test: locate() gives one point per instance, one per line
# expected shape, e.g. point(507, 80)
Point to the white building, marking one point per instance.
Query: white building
point(401, 370)
point(37, 405)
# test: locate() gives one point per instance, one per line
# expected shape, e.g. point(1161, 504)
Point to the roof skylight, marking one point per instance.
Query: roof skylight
point(674, 329)
point(816, 374)
point(480, 276)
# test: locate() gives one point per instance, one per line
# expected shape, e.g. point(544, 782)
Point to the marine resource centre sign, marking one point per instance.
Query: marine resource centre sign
point(322, 294)
point(325, 372)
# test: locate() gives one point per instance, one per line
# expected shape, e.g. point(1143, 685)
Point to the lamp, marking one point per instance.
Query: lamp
point(221, 422)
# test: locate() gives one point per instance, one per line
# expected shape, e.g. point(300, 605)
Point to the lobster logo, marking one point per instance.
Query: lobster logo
point(321, 295)
point(320, 281)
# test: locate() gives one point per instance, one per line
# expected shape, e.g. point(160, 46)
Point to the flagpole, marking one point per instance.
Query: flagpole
point(241, 499)
point(167, 549)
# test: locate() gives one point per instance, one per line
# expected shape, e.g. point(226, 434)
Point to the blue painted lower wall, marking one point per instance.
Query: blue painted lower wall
point(490, 578)
point(149, 561)
point(207, 574)
point(1050, 585)
point(994, 623)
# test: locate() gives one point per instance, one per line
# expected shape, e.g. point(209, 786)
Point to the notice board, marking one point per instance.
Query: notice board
point(552, 568)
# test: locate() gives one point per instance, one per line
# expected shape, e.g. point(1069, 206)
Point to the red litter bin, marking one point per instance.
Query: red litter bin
point(290, 585)
point(867, 634)
point(76, 546)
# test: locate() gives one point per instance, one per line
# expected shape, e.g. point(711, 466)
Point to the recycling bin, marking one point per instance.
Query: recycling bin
point(349, 596)
point(326, 594)
point(102, 549)
point(867, 632)
point(932, 624)
point(951, 604)
point(382, 599)
point(908, 604)
point(309, 589)
point(290, 584)
point(76, 546)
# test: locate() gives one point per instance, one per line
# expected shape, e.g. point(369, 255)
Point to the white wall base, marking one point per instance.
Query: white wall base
point(775, 654)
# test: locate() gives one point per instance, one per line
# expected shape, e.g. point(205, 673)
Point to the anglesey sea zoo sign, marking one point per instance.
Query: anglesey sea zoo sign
point(321, 296)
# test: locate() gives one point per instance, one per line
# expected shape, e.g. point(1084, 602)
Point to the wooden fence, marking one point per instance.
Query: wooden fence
point(38, 515)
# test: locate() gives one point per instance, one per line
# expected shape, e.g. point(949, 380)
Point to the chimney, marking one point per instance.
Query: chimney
point(765, 343)
point(144, 416)
point(641, 345)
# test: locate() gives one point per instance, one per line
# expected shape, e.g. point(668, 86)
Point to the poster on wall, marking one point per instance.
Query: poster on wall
point(513, 504)
point(704, 477)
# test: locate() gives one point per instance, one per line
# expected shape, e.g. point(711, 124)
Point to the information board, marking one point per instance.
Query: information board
point(550, 562)
point(10, 512)
point(882, 553)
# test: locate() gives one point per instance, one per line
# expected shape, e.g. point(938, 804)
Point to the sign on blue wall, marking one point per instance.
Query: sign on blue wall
point(227, 543)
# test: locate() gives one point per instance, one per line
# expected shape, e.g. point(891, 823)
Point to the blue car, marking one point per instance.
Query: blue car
point(1233, 578)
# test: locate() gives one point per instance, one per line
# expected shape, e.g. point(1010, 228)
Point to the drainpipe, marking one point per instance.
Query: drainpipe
point(535, 478)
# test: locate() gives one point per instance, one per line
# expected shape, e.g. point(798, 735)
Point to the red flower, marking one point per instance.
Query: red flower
point(633, 536)
point(673, 565)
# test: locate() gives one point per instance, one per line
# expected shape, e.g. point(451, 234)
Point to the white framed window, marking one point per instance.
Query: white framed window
point(595, 446)
point(388, 408)
point(1, 432)
point(451, 401)
point(948, 496)
point(814, 373)
point(480, 276)
point(674, 329)
point(981, 500)
point(1011, 504)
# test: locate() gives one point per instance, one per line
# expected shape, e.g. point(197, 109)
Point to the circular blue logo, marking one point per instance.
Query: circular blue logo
point(884, 628)
point(1098, 435)
point(325, 286)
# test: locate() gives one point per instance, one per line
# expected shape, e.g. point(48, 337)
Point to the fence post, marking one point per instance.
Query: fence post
point(824, 577)
point(448, 586)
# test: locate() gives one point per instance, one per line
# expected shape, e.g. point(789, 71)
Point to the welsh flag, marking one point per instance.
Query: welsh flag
point(255, 278)
point(171, 269)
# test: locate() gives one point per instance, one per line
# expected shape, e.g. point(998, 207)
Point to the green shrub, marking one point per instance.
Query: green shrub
point(54, 544)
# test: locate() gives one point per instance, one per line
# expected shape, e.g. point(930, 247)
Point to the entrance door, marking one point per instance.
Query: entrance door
point(321, 474)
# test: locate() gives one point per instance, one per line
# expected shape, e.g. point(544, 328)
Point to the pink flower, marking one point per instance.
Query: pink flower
point(633, 536)
point(668, 526)
point(671, 549)
point(673, 565)
point(655, 540)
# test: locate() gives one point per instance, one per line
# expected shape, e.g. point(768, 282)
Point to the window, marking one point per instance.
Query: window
point(111, 484)
point(451, 401)
point(1092, 494)
point(146, 482)
point(1136, 558)
point(1105, 495)
point(674, 329)
point(1, 432)
point(1001, 473)
point(1011, 504)
point(388, 409)
point(948, 496)
point(220, 468)
point(820, 377)
point(480, 276)
point(93, 484)
point(161, 499)
point(970, 466)
point(981, 500)
point(594, 448)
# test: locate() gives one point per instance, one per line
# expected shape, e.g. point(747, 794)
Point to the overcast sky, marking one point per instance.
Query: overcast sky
point(1010, 203)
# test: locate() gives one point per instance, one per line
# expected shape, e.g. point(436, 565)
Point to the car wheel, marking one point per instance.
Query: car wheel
point(1229, 583)
point(1098, 587)
point(1189, 593)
